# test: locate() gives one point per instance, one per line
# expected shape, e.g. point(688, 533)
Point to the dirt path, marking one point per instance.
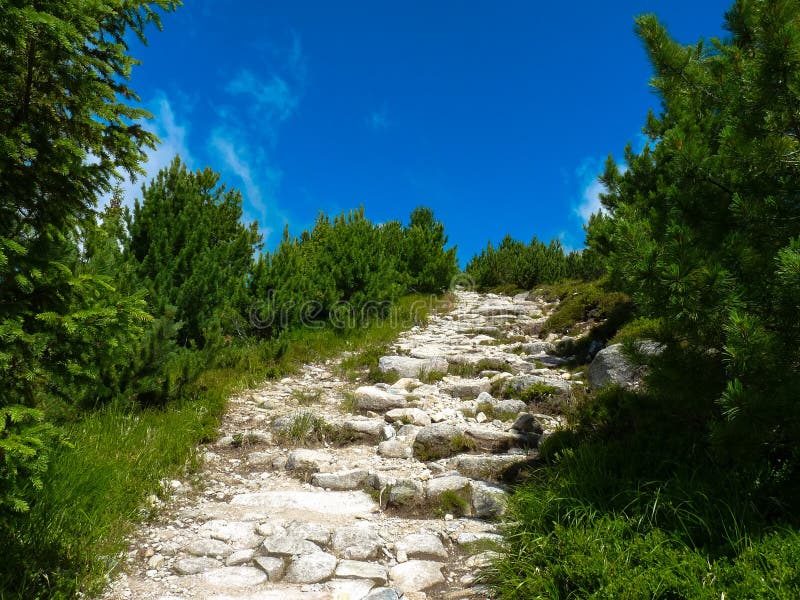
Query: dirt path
point(400, 499)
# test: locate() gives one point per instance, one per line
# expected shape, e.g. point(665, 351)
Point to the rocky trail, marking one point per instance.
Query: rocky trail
point(318, 487)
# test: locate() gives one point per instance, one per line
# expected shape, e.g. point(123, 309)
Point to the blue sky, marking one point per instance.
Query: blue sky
point(496, 114)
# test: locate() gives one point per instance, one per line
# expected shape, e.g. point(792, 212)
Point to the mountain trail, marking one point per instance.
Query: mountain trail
point(318, 487)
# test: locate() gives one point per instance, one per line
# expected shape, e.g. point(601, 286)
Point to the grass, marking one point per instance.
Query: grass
point(307, 429)
point(349, 404)
point(431, 376)
point(97, 485)
point(632, 503)
point(307, 397)
point(451, 502)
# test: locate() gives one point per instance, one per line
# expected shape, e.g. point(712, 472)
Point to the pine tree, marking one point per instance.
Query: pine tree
point(191, 252)
point(705, 220)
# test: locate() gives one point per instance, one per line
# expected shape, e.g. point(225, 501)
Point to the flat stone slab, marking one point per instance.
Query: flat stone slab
point(341, 480)
point(326, 503)
point(311, 568)
point(376, 399)
point(416, 575)
point(356, 542)
point(355, 569)
point(196, 564)
point(405, 366)
point(235, 577)
point(422, 545)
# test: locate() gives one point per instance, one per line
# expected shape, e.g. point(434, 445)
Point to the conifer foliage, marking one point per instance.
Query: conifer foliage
point(65, 131)
point(705, 222)
point(191, 252)
point(522, 266)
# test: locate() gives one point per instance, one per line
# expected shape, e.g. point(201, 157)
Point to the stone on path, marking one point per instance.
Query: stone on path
point(395, 448)
point(466, 389)
point(311, 568)
point(195, 564)
point(439, 440)
point(353, 569)
point(488, 501)
point(235, 577)
point(422, 545)
point(309, 461)
point(406, 492)
point(286, 545)
point(356, 542)
point(364, 426)
point(208, 547)
point(416, 575)
point(341, 480)
point(413, 416)
point(329, 503)
point(272, 566)
point(376, 399)
point(405, 366)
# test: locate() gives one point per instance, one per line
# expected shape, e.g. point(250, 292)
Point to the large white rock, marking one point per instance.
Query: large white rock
point(466, 389)
point(422, 545)
point(356, 542)
point(414, 416)
point(341, 480)
point(288, 545)
point(208, 547)
point(363, 426)
point(235, 577)
point(310, 461)
point(239, 534)
point(272, 566)
point(416, 575)
point(195, 564)
point(311, 568)
point(354, 569)
point(373, 398)
point(405, 366)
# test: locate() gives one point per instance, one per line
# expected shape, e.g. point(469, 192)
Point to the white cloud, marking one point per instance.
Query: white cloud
point(173, 141)
point(244, 138)
point(590, 200)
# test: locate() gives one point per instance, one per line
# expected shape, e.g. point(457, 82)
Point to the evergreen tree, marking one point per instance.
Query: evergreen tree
point(705, 221)
point(65, 133)
point(191, 252)
point(428, 264)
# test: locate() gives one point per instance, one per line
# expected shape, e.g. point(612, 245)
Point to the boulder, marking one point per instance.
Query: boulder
point(378, 400)
point(395, 448)
point(483, 466)
point(311, 568)
point(467, 389)
point(308, 461)
point(422, 546)
point(364, 426)
point(414, 416)
point(272, 566)
point(356, 542)
point(353, 569)
point(405, 492)
point(439, 441)
point(488, 501)
point(416, 575)
point(406, 366)
point(195, 564)
point(341, 480)
point(611, 367)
